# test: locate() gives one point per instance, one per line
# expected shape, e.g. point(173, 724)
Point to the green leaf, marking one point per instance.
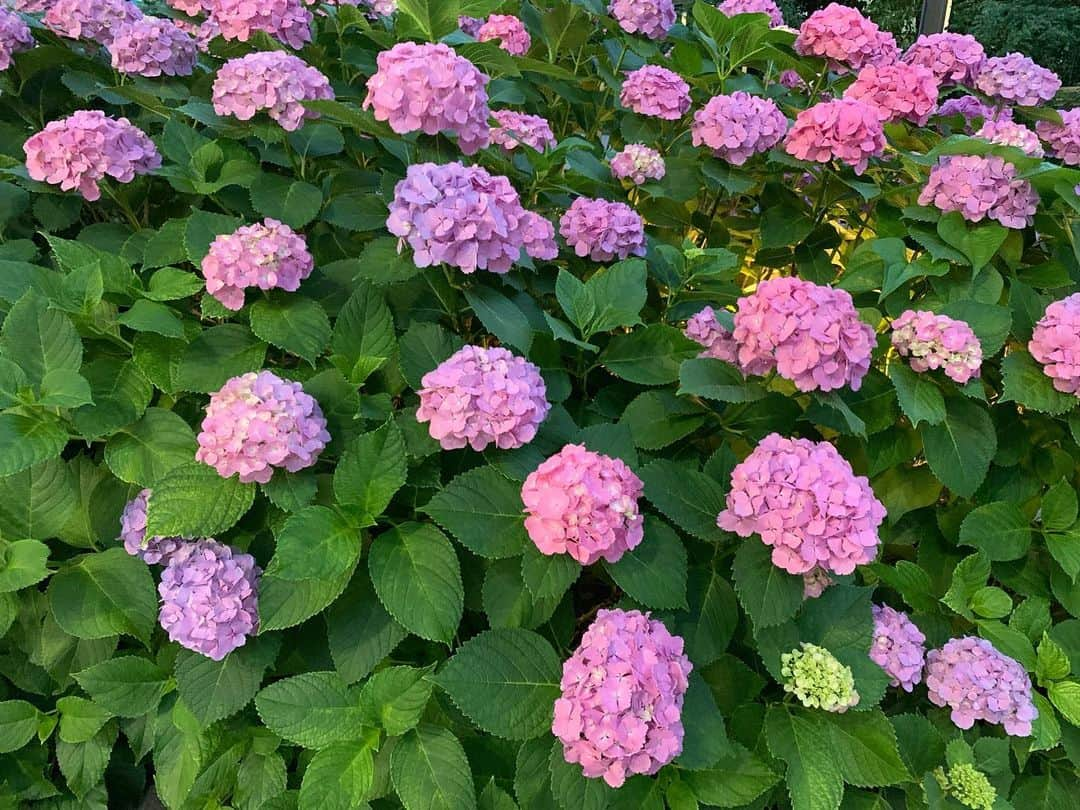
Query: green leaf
point(659, 418)
point(990, 323)
point(28, 440)
point(202, 228)
point(705, 741)
point(1000, 530)
point(18, 724)
point(217, 355)
point(260, 778)
point(654, 573)
point(1052, 662)
point(714, 379)
point(288, 602)
point(1026, 384)
point(146, 451)
point(80, 719)
point(150, 316)
point(433, 19)
point(293, 202)
point(291, 492)
point(39, 339)
point(991, 603)
point(804, 743)
point(38, 502)
point(338, 777)
point(172, 284)
point(979, 242)
point(213, 689)
point(611, 297)
point(548, 576)
point(360, 631)
point(1059, 507)
point(423, 347)
point(83, 764)
point(920, 398)
point(482, 508)
point(690, 499)
point(709, 621)
point(314, 709)
point(960, 449)
point(192, 500)
point(508, 602)
point(500, 316)
point(104, 594)
point(395, 698)
point(315, 543)
point(492, 797)
point(417, 577)
point(650, 355)
point(22, 563)
point(570, 787)
point(864, 747)
point(297, 325)
point(769, 594)
point(1065, 695)
point(128, 686)
point(430, 771)
point(1065, 548)
point(735, 780)
point(364, 330)
point(65, 389)
point(532, 777)
point(969, 575)
point(371, 470)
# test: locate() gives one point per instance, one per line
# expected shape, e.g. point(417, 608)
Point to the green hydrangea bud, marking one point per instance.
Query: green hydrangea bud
point(970, 787)
point(817, 679)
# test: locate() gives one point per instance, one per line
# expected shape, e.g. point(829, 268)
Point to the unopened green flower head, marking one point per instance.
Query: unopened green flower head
point(817, 679)
point(970, 787)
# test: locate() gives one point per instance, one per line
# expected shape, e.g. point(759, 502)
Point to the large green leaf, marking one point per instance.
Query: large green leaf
point(315, 543)
point(360, 631)
point(338, 777)
point(29, 440)
point(394, 698)
point(40, 340)
point(217, 689)
point(482, 508)
point(314, 709)
point(218, 354)
point(920, 398)
point(1027, 385)
point(37, 502)
point(127, 686)
point(650, 355)
point(155, 445)
point(104, 594)
point(22, 564)
point(803, 741)
point(769, 594)
point(297, 325)
point(959, 450)
point(433, 19)
point(18, 723)
point(192, 500)
point(690, 499)
point(611, 297)
point(714, 379)
point(430, 771)
point(293, 202)
point(734, 781)
point(1000, 530)
point(371, 470)
point(654, 573)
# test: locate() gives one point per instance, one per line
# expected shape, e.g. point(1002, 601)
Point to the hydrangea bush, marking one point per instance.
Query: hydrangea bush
point(534, 405)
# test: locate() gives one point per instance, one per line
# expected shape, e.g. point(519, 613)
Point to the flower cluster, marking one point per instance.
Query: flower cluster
point(209, 598)
point(738, 126)
point(811, 334)
point(1010, 133)
point(968, 785)
point(31, 6)
point(286, 20)
point(1018, 79)
point(846, 38)
point(461, 216)
point(898, 91)
point(937, 341)
point(429, 88)
point(603, 230)
point(620, 712)
point(152, 46)
point(704, 328)
point(538, 235)
point(952, 58)
point(203, 33)
point(583, 504)
point(258, 421)
point(268, 255)
point(733, 7)
point(193, 8)
point(79, 151)
point(898, 647)
point(470, 25)
point(979, 683)
point(516, 128)
point(650, 18)
point(846, 130)
point(815, 581)
point(656, 92)
point(509, 30)
point(973, 109)
point(481, 396)
point(981, 186)
point(817, 679)
point(1064, 138)
point(805, 501)
point(95, 20)
point(15, 36)
point(150, 550)
point(274, 81)
point(1055, 343)
point(638, 163)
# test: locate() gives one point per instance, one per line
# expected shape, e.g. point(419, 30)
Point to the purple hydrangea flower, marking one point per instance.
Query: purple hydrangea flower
point(150, 550)
point(96, 20)
point(981, 186)
point(650, 18)
point(511, 33)
point(268, 255)
point(1055, 343)
point(152, 46)
point(706, 329)
point(15, 36)
point(1018, 79)
point(1064, 138)
point(286, 20)
point(274, 81)
point(738, 126)
point(515, 128)
point(733, 7)
point(898, 647)
point(952, 58)
point(1010, 133)
point(603, 230)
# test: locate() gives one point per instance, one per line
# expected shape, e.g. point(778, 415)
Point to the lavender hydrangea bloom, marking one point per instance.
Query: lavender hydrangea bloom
point(706, 329)
point(274, 81)
point(733, 7)
point(96, 20)
point(15, 36)
point(1010, 133)
point(539, 237)
point(973, 109)
point(150, 550)
point(1064, 138)
point(737, 126)
point(979, 187)
point(515, 128)
point(511, 33)
point(1018, 79)
point(153, 46)
point(952, 58)
point(898, 647)
point(603, 230)
point(656, 92)
point(650, 18)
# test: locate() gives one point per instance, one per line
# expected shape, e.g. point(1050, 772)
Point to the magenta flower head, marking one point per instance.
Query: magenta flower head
point(898, 647)
point(429, 88)
point(845, 38)
point(257, 422)
point(981, 186)
point(811, 334)
point(1017, 78)
point(620, 712)
point(152, 46)
point(79, 151)
point(288, 21)
point(516, 128)
point(603, 230)
point(481, 396)
point(806, 503)
point(511, 33)
point(733, 7)
point(1010, 133)
point(274, 81)
point(932, 341)
point(1064, 138)
point(539, 236)
point(638, 164)
point(650, 18)
point(898, 91)
point(656, 92)
point(15, 36)
point(1055, 343)
point(978, 683)
point(738, 126)
point(952, 58)
point(268, 255)
point(461, 216)
point(845, 130)
point(150, 550)
point(583, 504)
point(95, 20)
point(209, 598)
point(706, 329)
point(973, 110)
point(193, 8)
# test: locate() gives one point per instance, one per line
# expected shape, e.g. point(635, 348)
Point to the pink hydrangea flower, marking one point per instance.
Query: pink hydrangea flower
point(603, 230)
point(203, 33)
point(257, 422)
point(981, 186)
point(152, 46)
point(1064, 138)
point(898, 647)
point(79, 151)
point(650, 18)
point(656, 92)
point(638, 164)
point(15, 36)
point(846, 38)
point(539, 237)
point(274, 81)
point(806, 503)
point(815, 583)
point(792, 80)
point(209, 598)
point(193, 8)
point(845, 130)
point(1010, 133)
point(738, 126)
point(973, 109)
point(620, 712)
point(268, 255)
point(96, 20)
point(470, 25)
point(1018, 79)
point(150, 550)
point(979, 683)
point(932, 341)
point(952, 58)
point(733, 7)
point(31, 6)
point(515, 128)
point(811, 334)
point(481, 396)
point(583, 504)
point(509, 30)
point(461, 216)
point(1055, 343)
point(429, 88)
point(706, 329)
point(286, 20)
point(898, 91)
